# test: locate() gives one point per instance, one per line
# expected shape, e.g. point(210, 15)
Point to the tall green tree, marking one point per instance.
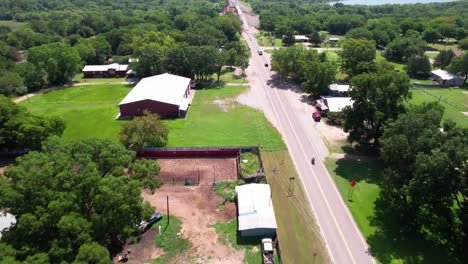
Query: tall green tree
point(70, 196)
point(459, 65)
point(20, 129)
point(401, 49)
point(58, 60)
point(357, 56)
point(425, 173)
point(34, 78)
point(144, 132)
point(444, 58)
point(418, 67)
point(378, 97)
point(318, 75)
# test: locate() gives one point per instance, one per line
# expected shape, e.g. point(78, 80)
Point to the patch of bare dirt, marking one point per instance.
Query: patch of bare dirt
point(225, 105)
point(143, 251)
point(465, 113)
point(206, 170)
point(197, 207)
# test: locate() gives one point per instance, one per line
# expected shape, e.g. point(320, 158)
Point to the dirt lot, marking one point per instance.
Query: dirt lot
point(207, 169)
point(197, 208)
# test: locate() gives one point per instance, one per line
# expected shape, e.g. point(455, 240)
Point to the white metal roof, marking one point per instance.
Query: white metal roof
point(334, 39)
point(255, 206)
point(116, 66)
point(444, 75)
point(300, 37)
point(166, 88)
point(339, 87)
point(336, 104)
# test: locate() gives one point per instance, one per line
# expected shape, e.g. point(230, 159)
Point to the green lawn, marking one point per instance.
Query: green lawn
point(169, 240)
point(268, 41)
point(448, 98)
point(227, 232)
point(89, 111)
point(216, 119)
point(229, 77)
point(386, 246)
point(398, 66)
point(12, 24)
point(361, 202)
point(298, 233)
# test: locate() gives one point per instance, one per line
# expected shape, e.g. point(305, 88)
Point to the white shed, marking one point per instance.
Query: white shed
point(255, 208)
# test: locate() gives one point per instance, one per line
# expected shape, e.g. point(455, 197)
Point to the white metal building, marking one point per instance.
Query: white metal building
point(255, 208)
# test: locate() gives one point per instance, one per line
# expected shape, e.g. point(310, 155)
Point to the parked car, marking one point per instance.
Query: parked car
point(317, 116)
point(267, 251)
point(147, 224)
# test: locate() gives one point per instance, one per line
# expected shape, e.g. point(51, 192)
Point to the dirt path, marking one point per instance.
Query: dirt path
point(197, 208)
point(25, 97)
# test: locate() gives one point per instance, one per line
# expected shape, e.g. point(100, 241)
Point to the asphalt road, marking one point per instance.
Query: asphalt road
point(344, 240)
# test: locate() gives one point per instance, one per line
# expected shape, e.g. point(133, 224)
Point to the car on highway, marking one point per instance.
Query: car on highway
point(316, 116)
point(266, 64)
point(260, 52)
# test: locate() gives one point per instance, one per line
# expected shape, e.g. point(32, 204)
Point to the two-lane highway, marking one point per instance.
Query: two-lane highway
point(344, 240)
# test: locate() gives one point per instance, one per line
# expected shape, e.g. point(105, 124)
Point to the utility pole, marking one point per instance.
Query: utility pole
point(167, 201)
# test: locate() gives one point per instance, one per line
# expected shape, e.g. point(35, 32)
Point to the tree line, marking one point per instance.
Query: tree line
point(57, 40)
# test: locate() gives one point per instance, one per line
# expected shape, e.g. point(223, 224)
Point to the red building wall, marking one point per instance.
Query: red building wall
point(137, 108)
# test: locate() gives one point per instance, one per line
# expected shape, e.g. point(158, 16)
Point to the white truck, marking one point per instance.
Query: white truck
point(267, 251)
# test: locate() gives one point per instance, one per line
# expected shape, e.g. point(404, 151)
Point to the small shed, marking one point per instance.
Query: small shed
point(256, 217)
point(165, 94)
point(301, 38)
point(113, 70)
point(446, 79)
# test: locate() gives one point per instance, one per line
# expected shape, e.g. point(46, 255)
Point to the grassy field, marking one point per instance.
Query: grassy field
point(12, 24)
point(89, 111)
point(361, 202)
point(298, 232)
point(386, 246)
point(229, 77)
point(216, 119)
point(266, 41)
point(454, 100)
point(227, 232)
point(169, 240)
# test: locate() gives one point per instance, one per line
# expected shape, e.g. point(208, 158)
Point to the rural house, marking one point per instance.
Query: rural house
point(255, 208)
point(446, 79)
point(166, 95)
point(105, 71)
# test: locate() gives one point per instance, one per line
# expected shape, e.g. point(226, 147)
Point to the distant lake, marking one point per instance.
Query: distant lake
point(394, 2)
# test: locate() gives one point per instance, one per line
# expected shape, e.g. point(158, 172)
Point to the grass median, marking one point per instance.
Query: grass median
point(298, 232)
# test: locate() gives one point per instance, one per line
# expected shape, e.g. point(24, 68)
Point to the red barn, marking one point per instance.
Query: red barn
point(166, 95)
point(105, 71)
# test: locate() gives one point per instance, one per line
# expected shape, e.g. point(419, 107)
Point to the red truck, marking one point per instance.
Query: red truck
point(316, 116)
